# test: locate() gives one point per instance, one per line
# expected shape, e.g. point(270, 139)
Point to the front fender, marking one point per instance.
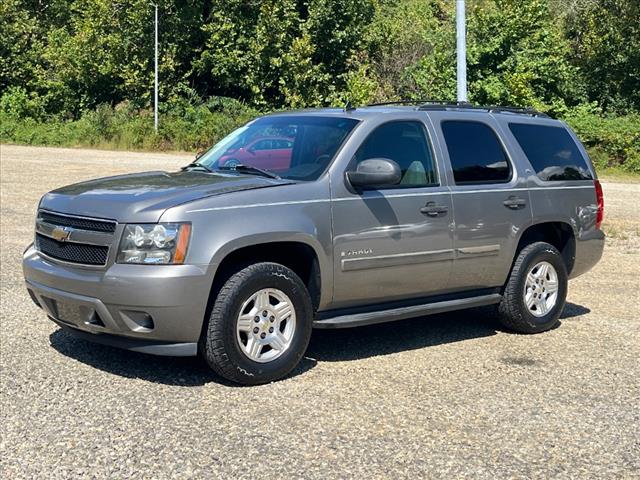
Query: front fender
point(217, 232)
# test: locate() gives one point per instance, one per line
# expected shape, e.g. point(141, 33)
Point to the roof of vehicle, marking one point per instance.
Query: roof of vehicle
point(367, 111)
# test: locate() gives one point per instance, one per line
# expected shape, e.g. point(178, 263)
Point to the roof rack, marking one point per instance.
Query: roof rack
point(490, 109)
point(446, 105)
point(406, 102)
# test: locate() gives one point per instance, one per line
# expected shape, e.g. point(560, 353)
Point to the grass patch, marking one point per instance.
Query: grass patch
point(618, 175)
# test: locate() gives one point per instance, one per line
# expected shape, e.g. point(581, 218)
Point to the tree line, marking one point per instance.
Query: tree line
point(63, 59)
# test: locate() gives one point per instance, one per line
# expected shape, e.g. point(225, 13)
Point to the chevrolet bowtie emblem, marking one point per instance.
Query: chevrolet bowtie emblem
point(61, 234)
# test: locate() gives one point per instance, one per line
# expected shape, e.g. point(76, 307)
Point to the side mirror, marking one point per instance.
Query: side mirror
point(375, 172)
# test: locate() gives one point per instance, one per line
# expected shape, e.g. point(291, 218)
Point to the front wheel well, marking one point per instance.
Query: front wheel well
point(299, 257)
point(558, 234)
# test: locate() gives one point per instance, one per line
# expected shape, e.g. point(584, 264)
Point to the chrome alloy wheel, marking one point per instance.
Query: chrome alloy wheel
point(266, 325)
point(541, 289)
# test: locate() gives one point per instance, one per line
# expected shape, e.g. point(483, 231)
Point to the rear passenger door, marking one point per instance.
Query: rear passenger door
point(491, 204)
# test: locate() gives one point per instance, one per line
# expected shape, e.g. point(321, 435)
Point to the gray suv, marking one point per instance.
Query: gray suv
point(324, 218)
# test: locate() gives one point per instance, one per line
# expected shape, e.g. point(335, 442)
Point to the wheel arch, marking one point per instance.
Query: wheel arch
point(560, 234)
point(299, 252)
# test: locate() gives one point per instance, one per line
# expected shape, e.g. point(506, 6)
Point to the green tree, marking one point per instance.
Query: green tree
point(279, 53)
point(410, 52)
point(518, 56)
point(605, 39)
point(104, 54)
point(20, 45)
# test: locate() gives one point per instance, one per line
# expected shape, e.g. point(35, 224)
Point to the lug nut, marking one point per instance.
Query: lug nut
point(264, 314)
point(256, 319)
point(272, 319)
point(262, 335)
point(256, 330)
point(270, 329)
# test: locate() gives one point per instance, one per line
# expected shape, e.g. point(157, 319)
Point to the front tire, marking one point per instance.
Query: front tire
point(260, 325)
point(536, 291)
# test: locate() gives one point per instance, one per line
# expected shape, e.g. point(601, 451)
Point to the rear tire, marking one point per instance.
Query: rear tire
point(262, 305)
point(536, 291)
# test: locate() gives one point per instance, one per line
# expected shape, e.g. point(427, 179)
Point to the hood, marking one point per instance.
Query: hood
point(143, 197)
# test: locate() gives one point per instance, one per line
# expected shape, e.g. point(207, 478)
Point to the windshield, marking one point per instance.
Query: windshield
point(292, 147)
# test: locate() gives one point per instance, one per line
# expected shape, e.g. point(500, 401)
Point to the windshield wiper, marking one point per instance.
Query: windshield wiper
point(195, 165)
point(250, 170)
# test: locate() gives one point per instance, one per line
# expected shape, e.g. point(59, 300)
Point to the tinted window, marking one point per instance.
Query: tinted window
point(475, 152)
point(551, 151)
point(406, 144)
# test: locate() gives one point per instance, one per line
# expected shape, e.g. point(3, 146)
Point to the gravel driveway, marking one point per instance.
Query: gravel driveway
point(446, 396)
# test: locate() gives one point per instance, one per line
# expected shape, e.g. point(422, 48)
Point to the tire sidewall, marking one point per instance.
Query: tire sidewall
point(544, 253)
point(282, 279)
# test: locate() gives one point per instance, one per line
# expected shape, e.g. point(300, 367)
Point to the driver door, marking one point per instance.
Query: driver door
point(394, 242)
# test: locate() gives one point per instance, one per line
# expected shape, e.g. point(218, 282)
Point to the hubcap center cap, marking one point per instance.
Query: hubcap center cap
point(541, 289)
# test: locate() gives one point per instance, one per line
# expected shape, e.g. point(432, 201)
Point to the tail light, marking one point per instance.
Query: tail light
point(600, 200)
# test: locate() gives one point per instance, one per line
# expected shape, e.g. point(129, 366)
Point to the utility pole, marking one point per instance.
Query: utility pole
point(155, 86)
point(461, 51)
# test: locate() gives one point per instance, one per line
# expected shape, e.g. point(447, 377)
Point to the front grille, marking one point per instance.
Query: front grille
point(72, 252)
point(78, 222)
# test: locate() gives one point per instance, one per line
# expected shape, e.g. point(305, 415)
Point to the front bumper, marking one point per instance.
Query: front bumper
point(155, 309)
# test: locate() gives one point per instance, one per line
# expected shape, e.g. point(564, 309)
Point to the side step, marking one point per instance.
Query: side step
point(390, 315)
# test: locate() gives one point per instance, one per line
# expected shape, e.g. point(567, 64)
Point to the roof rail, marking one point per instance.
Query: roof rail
point(490, 108)
point(447, 105)
point(407, 102)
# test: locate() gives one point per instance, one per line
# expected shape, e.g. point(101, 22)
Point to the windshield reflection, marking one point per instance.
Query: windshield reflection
point(293, 147)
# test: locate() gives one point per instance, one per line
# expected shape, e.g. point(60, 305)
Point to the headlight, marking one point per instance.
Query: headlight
point(160, 243)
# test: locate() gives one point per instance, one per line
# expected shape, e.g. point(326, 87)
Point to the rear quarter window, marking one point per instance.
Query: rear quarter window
point(552, 152)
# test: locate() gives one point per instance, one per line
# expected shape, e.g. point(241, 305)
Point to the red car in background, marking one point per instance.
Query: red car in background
point(269, 153)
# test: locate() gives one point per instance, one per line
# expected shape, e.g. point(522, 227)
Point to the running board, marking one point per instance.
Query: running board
point(390, 315)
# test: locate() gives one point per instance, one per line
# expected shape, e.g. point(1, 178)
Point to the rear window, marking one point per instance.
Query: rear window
point(552, 152)
point(475, 152)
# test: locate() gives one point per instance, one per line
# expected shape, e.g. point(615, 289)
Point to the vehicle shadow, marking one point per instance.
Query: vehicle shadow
point(325, 346)
point(387, 338)
point(184, 371)
point(177, 371)
point(416, 333)
point(573, 310)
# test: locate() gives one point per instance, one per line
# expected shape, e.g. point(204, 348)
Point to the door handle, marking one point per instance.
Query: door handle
point(514, 202)
point(434, 210)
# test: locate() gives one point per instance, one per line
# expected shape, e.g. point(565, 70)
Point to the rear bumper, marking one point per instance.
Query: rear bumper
point(589, 248)
point(152, 308)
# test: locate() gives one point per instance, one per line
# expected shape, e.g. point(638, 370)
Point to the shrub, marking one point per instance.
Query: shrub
point(183, 125)
point(17, 103)
point(613, 141)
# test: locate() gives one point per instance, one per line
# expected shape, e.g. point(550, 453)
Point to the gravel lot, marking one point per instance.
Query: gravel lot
point(446, 396)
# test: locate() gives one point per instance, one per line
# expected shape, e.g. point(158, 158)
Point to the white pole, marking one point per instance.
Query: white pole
point(461, 51)
point(155, 87)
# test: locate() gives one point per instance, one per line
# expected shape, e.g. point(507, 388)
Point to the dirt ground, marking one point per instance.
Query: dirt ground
point(445, 396)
